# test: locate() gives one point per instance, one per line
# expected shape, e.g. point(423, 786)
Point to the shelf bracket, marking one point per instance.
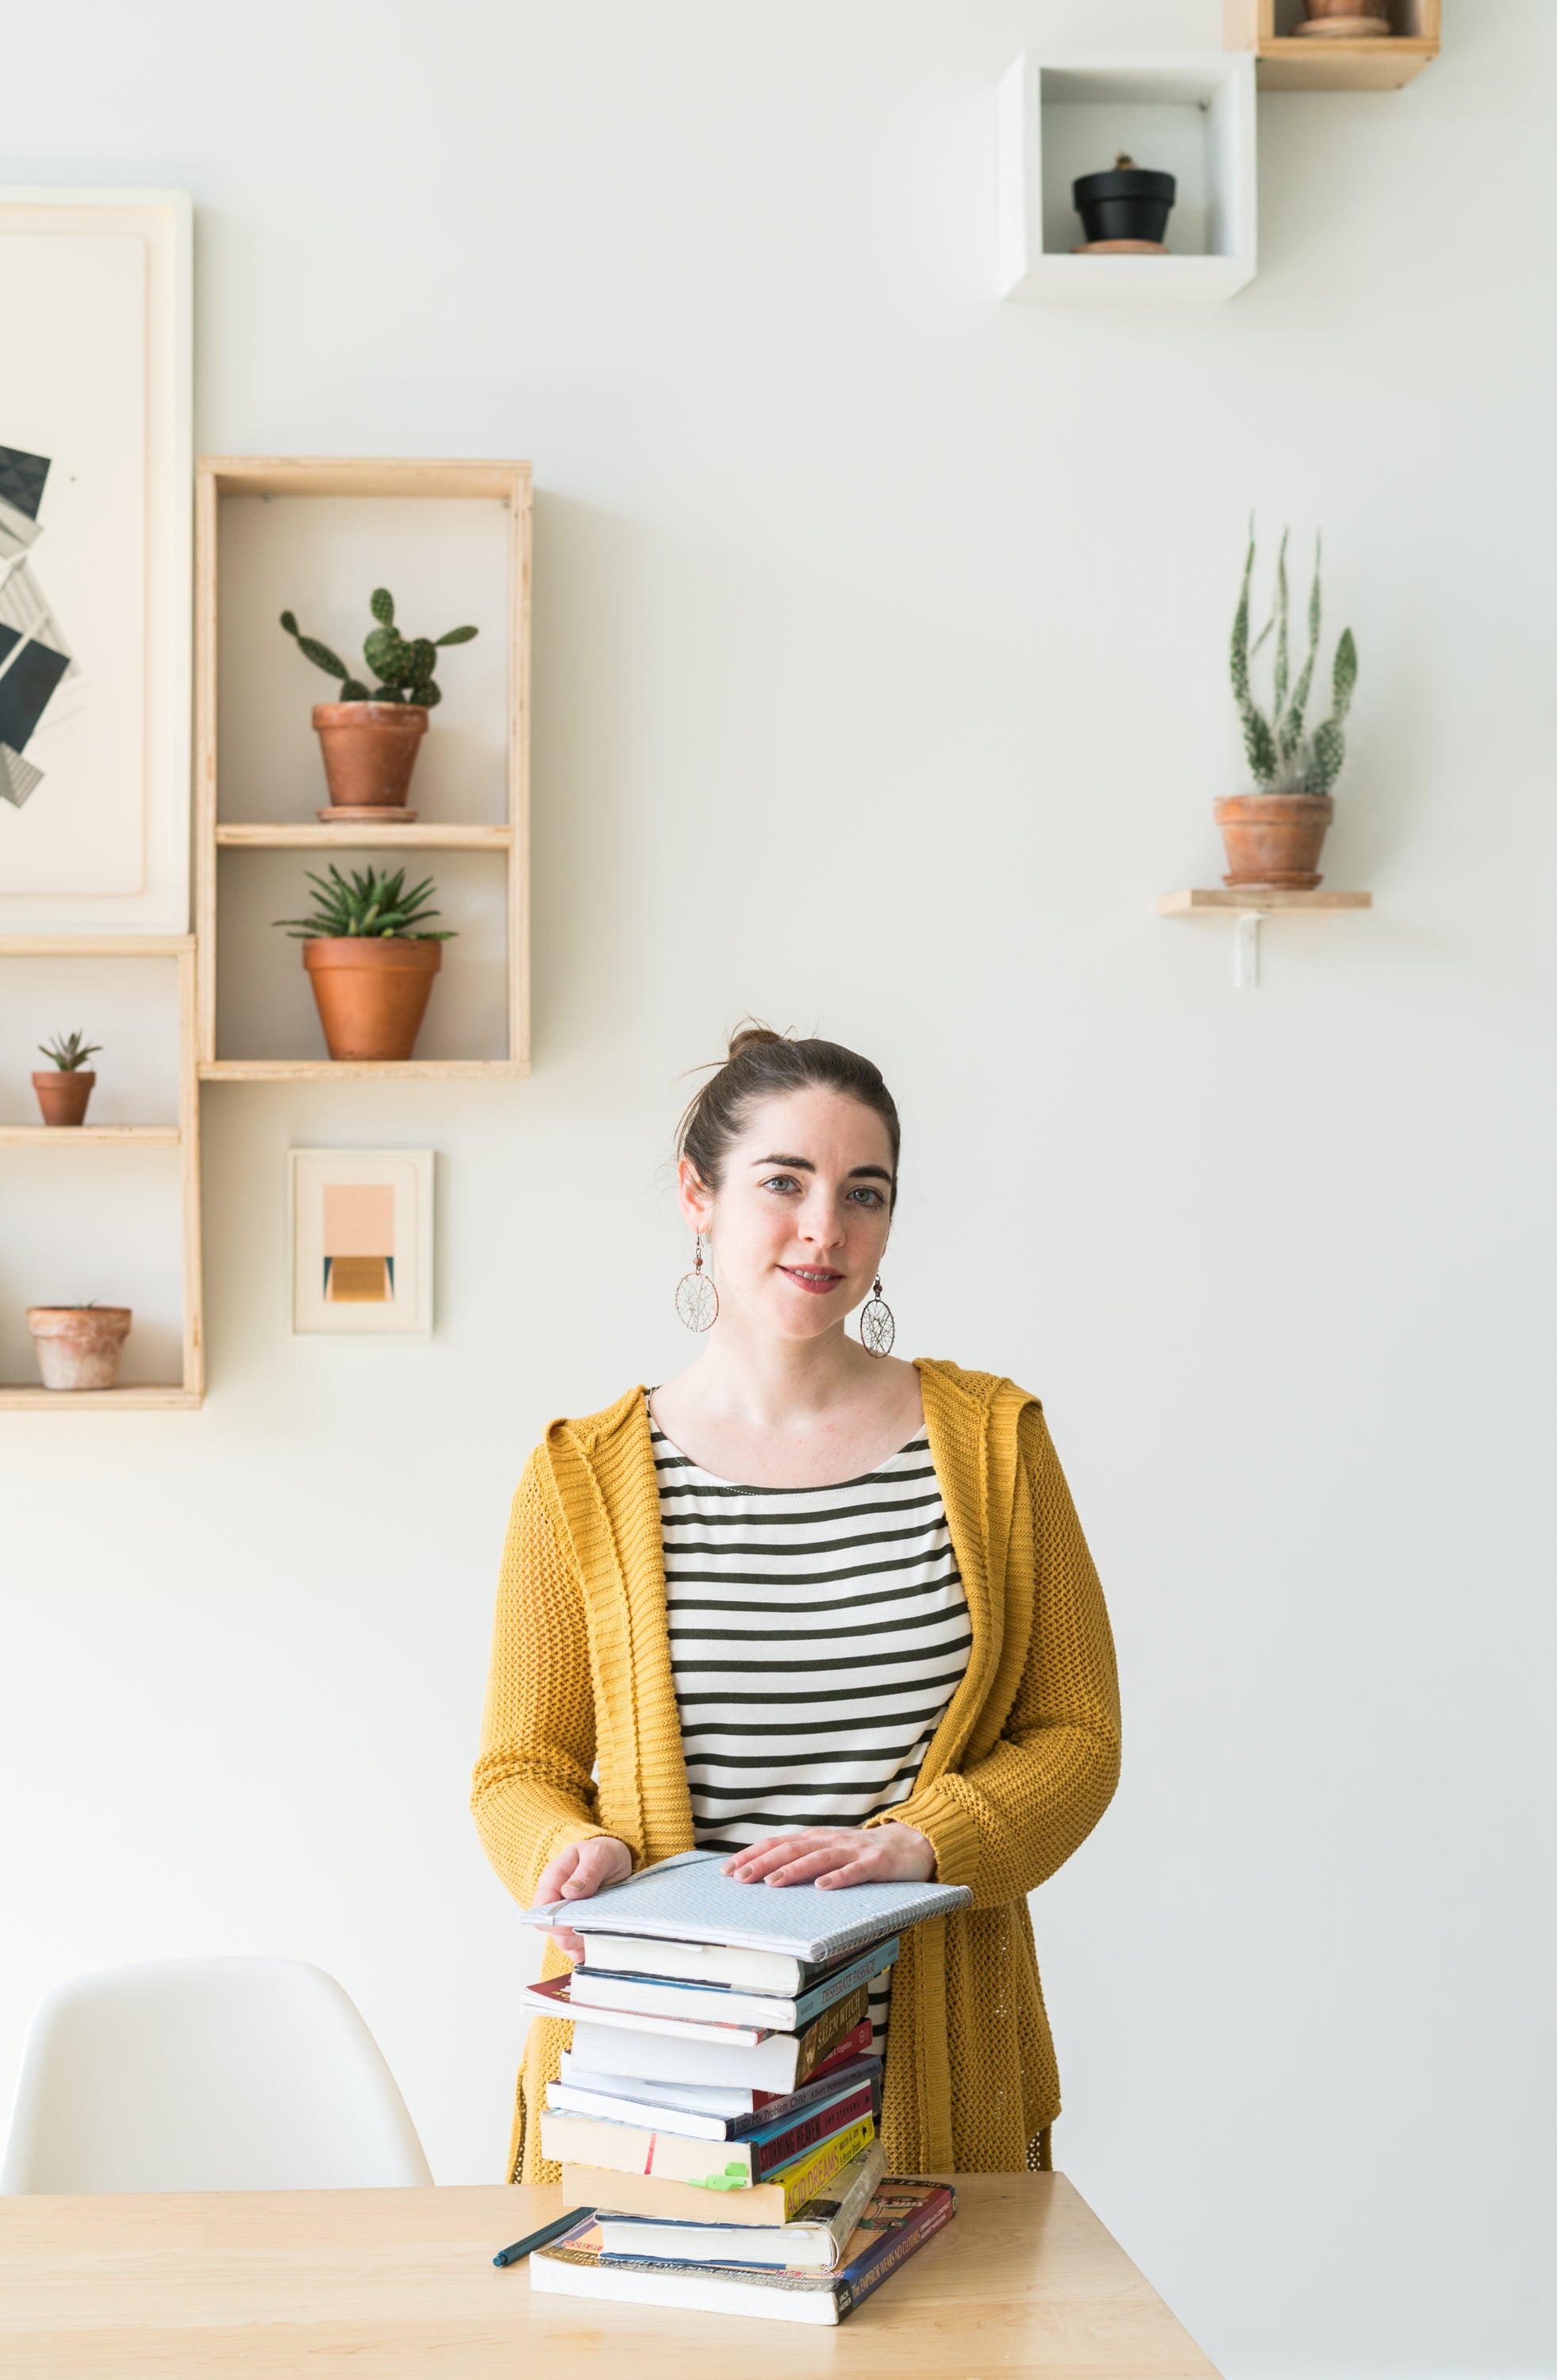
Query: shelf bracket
point(1245, 950)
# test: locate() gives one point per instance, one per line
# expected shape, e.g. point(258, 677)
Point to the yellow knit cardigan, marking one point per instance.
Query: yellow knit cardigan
point(1018, 1772)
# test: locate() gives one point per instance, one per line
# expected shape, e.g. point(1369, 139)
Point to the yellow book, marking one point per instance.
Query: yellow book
point(730, 2199)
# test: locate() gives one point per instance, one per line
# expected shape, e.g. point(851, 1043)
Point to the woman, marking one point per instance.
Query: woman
point(704, 1640)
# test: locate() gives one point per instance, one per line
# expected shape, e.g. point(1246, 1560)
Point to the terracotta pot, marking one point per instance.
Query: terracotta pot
point(79, 1345)
point(1340, 8)
point(372, 995)
point(63, 1096)
point(369, 751)
point(1274, 839)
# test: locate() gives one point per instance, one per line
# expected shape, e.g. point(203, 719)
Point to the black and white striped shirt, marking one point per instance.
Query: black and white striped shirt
point(816, 1635)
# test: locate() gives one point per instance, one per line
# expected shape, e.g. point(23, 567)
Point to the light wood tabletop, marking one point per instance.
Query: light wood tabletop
point(399, 2285)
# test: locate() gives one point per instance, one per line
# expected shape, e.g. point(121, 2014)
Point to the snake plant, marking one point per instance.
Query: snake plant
point(1283, 757)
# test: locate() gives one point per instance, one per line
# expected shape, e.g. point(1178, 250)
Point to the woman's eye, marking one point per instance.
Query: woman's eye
point(868, 1197)
point(781, 1182)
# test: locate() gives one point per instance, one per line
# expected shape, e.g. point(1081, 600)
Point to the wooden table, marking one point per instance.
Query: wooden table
point(399, 2285)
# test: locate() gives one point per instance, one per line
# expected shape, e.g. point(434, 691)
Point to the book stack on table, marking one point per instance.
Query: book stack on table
point(717, 2117)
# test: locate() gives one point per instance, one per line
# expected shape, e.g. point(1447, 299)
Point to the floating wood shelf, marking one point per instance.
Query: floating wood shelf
point(1258, 901)
point(1249, 905)
point(141, 1398)
point(222, 479)
point(88, 1136)
point(176, 1396)
point(1287, 60)
point(341, 837)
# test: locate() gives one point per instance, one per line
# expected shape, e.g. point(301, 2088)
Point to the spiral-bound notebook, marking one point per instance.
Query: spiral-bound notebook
point(686, 1900)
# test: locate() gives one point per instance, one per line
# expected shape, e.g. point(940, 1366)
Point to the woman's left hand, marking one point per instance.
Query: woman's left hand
point(830, 1855)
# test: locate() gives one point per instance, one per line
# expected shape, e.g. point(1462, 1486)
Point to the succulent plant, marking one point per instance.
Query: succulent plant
point(69, 1052)
point(372, 902)
point(1284, 760)
point(401, 666)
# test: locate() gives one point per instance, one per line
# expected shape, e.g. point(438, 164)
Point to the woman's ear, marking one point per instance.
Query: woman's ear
point(696, 1201)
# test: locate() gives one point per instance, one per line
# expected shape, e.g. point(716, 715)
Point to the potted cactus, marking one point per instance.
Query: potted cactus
point(64, 1090)
point(371, 733)
point(1274, 836)
point(371, 959)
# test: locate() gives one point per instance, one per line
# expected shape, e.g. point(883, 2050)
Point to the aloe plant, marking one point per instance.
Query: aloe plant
point(401, 666)
point(69, 1052)
point(1283, 757)
point(371, 903)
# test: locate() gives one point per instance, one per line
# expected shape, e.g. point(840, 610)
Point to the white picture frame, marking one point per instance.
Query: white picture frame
point(96, 560)
point(360, 1254)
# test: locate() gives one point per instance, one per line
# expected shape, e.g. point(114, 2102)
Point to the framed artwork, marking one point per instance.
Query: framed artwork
point(96, 508)
point(361, 1243)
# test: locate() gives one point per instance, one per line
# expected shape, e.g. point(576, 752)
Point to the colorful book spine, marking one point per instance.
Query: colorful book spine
point(893, 2247)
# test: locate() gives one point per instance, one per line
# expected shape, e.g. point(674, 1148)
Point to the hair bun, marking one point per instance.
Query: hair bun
point(752, 1036)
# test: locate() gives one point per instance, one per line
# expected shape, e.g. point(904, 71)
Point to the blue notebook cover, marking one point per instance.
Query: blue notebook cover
point(686, 1900)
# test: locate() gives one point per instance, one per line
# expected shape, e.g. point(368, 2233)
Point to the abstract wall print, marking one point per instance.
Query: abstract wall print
point(362, 1242)
point(95, 468)
point(35, 656)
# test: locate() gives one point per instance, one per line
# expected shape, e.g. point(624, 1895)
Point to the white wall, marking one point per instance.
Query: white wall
point(879, 688)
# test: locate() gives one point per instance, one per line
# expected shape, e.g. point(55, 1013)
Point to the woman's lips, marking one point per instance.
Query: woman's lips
point(815, 1278)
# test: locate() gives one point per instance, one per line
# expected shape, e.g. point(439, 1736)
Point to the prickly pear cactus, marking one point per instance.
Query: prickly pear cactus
point(403, 666)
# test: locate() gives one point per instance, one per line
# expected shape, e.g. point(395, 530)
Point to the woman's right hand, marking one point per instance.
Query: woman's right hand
point(577, 1873)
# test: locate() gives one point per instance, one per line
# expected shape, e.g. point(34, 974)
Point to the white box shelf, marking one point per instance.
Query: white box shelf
point(1186, 112)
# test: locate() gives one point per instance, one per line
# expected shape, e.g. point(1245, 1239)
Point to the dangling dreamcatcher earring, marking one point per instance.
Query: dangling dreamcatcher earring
point(697, 1300)
point(876, 1328)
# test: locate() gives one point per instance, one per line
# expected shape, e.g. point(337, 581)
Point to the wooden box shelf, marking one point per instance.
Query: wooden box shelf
point(1287, 60)
point(250, 744)
point(187, 1392)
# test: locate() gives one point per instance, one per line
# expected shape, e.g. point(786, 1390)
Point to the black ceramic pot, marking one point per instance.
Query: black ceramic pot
point(1127, 202)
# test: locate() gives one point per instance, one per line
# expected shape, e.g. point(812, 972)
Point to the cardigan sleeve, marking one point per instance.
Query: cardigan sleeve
point(1005, 1826)
point(533, 1792)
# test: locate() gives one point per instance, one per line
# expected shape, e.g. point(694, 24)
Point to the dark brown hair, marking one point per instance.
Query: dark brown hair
point(762, 1064)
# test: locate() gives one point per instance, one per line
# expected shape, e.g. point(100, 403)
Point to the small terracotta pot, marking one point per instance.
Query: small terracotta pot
point(1274, 839)
point(63, 1096)
point(369, 751)
point(372, 995)
point(1340, 9)
point(79, 1345)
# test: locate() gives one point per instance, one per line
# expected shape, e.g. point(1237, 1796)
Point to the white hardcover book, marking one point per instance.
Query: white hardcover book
point(698, 2098)
point(695, 1962)
point(658, 2058)
point(576, 2101)
point(705, 2003)
point(687, 1900)
point(625, 2285)
point(554, 1996)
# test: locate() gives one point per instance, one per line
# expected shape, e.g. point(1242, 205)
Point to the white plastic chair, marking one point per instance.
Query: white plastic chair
point(206, 2074)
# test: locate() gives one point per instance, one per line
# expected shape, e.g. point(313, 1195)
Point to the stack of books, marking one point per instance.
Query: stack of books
point(716, 2119)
